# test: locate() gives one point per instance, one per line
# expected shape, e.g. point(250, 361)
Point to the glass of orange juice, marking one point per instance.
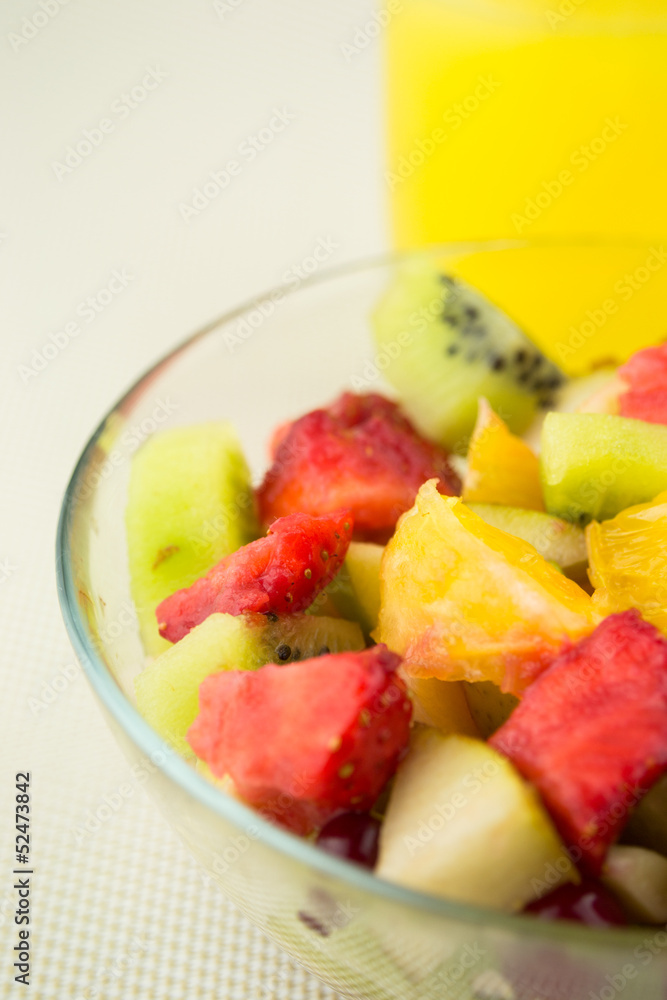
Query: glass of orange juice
point(536, 119)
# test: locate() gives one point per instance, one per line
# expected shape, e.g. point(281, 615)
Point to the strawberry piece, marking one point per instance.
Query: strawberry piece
point(591, 732)
point(280, 573)
point(361, 453)
point(649, 405)
point(306, 741)
point(645, 374)
point(646, 369)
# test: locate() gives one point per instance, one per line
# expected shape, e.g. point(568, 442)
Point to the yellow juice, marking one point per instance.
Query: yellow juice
point(539, 120)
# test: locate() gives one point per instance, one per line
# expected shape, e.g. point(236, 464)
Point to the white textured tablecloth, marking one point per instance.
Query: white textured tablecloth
point(118, 909)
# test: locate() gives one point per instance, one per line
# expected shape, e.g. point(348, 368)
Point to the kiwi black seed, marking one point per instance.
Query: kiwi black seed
point(283, 652)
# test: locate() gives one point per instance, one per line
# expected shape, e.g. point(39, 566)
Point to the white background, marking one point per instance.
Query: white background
point(115, 910)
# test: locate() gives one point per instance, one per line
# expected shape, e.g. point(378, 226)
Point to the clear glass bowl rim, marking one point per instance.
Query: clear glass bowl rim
point(182, 774)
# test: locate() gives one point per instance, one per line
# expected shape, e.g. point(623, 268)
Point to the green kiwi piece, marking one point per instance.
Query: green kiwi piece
point(167, 691)
point(443, 345)
point(594, 465)
point(190, 503)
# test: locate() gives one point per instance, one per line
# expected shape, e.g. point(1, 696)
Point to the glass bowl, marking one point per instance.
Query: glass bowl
point(280, 355)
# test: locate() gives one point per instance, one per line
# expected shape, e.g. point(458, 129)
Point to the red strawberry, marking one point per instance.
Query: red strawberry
point(306, 741)
point(649, 405)
point(645, 374)
point(646, 369)
point(282, 572)
point(591, 732)
point(361, 453)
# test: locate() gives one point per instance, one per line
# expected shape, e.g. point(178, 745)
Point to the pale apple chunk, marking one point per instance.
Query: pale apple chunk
point(462, 824)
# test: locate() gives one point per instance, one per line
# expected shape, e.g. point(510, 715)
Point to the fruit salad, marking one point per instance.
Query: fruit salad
point(432, 638)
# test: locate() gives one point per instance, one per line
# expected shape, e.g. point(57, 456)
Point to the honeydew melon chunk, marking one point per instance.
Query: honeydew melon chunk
point(462, 824)
point(556, 540)
point(190, 503)
point(594, 465)
point(638, 878)
point(167, 691)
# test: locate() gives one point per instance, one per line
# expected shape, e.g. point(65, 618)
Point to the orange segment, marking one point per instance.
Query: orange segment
point(628, 561)
point(502, 468)
point(462, 600)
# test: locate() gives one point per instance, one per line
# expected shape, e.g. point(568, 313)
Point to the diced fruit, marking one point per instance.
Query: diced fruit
point(489, 706)
point(356, 589)
point(462, 600)
point(167, 690)
point(646, 369)
point(638, 389)
point(605, 398)
point(595, 465)
point(644, 379)
point(556, 540)
point(225, 784)
point(574, 397)
point(462, 824)
point(639, 879)
point(502, 469)
point(306, 741)
point(353, 836)
point(360, 453)
point(280, 573)
point(446, 345)
point(628, 557)
point(441, 704)
point(323, 605)
point(190, 503)
point(647, 826)
point(650, 406)
point(589, 903)
point(578, 392)
point(591, 732)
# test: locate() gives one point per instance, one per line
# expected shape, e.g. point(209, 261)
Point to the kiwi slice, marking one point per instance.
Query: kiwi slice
point(594, 465)
point(443, 345)
point(167, 691)
point(190, 503)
